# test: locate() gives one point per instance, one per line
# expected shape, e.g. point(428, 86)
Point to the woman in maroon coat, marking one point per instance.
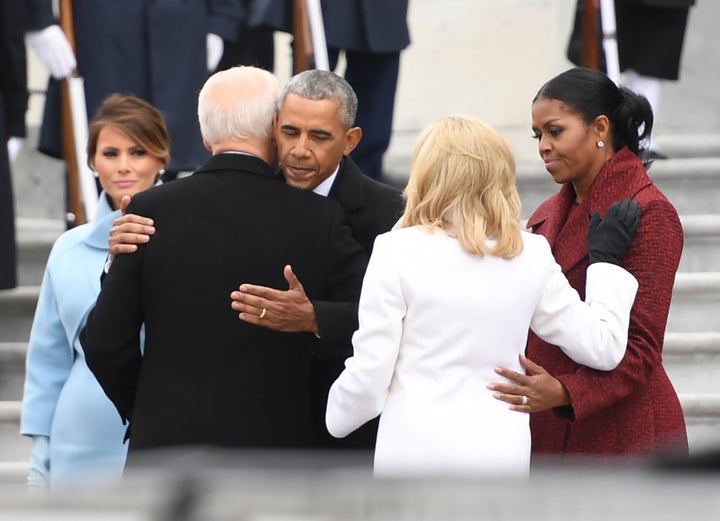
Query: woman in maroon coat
point(589, 133)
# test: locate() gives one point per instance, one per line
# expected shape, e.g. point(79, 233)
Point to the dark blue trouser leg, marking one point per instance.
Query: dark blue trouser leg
point(373, 76)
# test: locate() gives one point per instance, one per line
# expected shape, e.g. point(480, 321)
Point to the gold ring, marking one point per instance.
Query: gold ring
point(262, 315)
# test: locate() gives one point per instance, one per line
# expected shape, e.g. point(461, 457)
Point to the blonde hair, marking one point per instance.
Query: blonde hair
point(462, 181)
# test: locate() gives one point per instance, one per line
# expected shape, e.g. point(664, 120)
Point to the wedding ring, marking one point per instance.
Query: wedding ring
point(524, 398)
point(262, 315)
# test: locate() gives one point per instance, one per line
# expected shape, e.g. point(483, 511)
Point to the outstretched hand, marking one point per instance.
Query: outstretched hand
point(289, 311)
point(541, 389)
point(129, 230)
point(610, 237)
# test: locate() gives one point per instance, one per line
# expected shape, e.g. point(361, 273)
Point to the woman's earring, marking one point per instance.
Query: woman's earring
point(600, 143)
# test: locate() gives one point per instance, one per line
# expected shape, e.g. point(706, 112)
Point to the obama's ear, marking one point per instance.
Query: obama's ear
point(352, 138)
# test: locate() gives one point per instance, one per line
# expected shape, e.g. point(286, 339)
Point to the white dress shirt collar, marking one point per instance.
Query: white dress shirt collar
point(324, 187)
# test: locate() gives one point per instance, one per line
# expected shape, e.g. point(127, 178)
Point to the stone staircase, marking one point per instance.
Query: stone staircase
point(692, 348)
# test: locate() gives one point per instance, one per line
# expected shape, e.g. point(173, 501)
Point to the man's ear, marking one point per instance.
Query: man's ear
point(352, 138)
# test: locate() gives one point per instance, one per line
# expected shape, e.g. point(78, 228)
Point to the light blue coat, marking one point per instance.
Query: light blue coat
point(62, 398)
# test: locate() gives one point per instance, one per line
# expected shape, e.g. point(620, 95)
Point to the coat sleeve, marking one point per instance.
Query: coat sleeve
point(47, 365)
point(593, 333)
point(336, 312)
point(111, 337)
point(360, 392)
point(653, 259)
point(337, 321)
point(40, 14)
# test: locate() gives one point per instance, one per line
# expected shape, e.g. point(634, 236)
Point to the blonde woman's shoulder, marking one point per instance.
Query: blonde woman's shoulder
point(535, 243)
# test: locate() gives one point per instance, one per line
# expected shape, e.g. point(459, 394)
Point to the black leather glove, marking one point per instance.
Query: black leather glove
point(610, 237)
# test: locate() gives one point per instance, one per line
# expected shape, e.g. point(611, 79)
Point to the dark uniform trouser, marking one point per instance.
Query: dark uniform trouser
point(374, 77)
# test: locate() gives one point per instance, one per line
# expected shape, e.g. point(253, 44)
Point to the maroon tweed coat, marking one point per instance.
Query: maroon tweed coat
point(632, 410)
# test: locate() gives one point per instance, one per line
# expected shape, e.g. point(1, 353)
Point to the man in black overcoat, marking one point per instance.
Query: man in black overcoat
point(207, 378)
point(315, 133)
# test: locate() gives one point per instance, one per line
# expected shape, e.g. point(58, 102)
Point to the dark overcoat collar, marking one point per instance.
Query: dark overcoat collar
point(233, 161)
point(348, 187)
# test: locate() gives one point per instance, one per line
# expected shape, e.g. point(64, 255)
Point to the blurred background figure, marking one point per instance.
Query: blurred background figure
point(159, 51)
point(13, 104)
point(371, 34)
point(650, 37)
point(77, 433)
point(252, 45)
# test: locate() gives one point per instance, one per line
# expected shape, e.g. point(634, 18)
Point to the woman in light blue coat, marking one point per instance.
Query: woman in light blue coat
point(77, 433)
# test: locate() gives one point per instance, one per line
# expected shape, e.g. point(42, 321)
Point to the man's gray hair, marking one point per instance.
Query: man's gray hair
point(324, 85)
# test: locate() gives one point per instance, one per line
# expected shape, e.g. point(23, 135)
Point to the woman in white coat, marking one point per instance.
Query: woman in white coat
point(77, 433)
point(450, 295)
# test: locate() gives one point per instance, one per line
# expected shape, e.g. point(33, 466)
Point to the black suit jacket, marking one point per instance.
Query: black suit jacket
point(371, 208)
point(206, 377)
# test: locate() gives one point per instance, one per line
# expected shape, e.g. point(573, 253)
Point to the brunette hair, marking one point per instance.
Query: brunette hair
point(134, 117)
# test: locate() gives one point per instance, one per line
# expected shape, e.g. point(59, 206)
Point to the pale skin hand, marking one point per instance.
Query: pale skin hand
point(542, 389)
point(128, 231)
point(289, 311)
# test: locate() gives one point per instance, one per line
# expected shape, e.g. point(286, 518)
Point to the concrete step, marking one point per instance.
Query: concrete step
point(695, 305)
point(13, 446)
point(702, 418)
point(17, 308)
point(701, 410)
point(691, 184)
point(675, 146)
point(689, 145)
point(692, 360)
point(12, 370)
point(701, 251)
point(35, 238)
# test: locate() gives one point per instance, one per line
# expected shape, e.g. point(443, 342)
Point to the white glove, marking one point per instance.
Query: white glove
point(14, 145)
point(54, 51)
point(39, 474)
point(215, 47)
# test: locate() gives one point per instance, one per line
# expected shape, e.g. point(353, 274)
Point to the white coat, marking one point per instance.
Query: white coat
point(434, 323)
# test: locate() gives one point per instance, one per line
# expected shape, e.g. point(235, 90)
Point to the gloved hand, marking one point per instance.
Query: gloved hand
point(54, 51)
point(39, 473)
point(14, 145)
point(609, 238)
point(215, 48)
